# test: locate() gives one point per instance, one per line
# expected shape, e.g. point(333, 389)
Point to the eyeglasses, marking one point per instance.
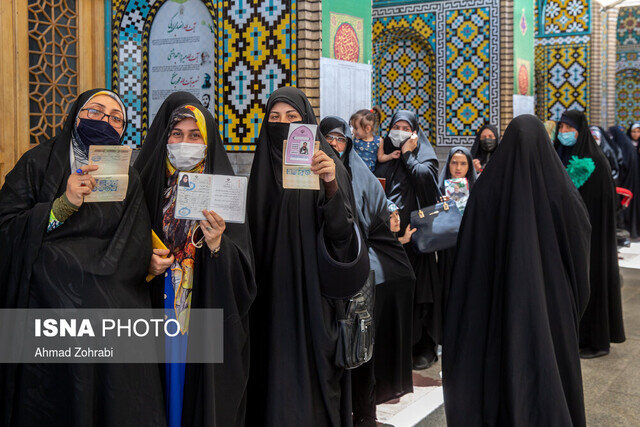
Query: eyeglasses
point(341, 139)
point(115, 121)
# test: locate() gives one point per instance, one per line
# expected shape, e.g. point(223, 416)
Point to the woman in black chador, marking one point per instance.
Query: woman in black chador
point(294, 378)
point(209, 265)
point(484, 145)
point(520, 284)
point(388, 374)
point(589, 170)
point(58, 251)
point(629, 178)
point(411, 181)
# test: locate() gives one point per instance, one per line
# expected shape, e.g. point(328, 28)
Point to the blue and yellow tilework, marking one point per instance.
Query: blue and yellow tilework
point(468, 67)
point(256, 54)
point(453, 49)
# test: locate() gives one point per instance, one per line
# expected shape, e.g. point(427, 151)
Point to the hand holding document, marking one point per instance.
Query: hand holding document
point(112, 176)
point(224, 194)
point(298, 149)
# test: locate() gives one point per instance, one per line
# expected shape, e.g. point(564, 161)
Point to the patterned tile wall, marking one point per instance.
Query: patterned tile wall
point(406, 67)
point(628, 66)
point(562, 57)
point(468, 70)
point(563, 18)
point(461, 44)
point(256, 53)
point(628, 96)
point(565, 84)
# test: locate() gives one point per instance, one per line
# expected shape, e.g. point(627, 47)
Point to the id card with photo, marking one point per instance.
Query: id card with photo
point(226, 195)
point(299, 177)
point(112, 176)
point(301, 145)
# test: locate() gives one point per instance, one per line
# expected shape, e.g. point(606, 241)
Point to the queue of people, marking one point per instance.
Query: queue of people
point(531, 286)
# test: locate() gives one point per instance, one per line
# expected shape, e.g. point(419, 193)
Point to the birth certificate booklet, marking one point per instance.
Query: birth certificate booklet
point(226, 195)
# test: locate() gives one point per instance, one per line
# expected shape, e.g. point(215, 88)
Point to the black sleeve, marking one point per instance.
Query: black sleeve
point(338, 225)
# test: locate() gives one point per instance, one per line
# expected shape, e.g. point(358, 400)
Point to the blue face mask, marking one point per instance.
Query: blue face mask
point(97, 132)
point(568, 139)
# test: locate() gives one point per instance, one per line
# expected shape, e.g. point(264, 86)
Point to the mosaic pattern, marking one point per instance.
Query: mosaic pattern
point(628, 66)
point(626, 60)
point(406, 63)
point(256, 54)
point(406, 82)
point(468, 67)
point(464, 36)
point(628, 31)
point(128, 19)
point(562, 17)
point(628, 97)
point(563, 79)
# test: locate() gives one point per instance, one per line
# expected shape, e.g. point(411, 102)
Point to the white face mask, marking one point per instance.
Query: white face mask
point(185, 155)
point(397, 137)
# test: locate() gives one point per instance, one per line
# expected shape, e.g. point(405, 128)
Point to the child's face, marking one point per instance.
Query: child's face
point(459, 166)
point(395, 221)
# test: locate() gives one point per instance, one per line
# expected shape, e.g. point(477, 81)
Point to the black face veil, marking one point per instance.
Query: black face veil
point(291, 320)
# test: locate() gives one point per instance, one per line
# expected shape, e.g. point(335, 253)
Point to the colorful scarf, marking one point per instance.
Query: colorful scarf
point(178, 233)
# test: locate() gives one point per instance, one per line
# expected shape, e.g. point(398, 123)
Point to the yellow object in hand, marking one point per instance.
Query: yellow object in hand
point(156, 243)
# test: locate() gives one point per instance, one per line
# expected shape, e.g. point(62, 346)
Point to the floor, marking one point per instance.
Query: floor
point(611, 383)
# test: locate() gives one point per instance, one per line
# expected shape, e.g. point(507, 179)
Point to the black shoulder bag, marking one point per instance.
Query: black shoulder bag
point(352, 288)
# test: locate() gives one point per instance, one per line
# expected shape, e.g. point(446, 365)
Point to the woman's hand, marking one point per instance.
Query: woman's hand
point(395, 154)
point(323, 165)
point(477, 165)
point(212, 228)
point(80, 185)
point(407, 235)
point(411, 144)
point(161, 259)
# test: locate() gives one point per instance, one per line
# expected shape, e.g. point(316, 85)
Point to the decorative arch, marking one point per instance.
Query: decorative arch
point(408, 41)
point(255, 53)
point(145, 55)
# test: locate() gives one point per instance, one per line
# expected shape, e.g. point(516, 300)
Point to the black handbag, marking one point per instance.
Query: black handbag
point(356, 327)
point(436, 226)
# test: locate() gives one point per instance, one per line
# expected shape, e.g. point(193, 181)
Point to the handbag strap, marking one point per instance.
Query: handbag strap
point(440, 196)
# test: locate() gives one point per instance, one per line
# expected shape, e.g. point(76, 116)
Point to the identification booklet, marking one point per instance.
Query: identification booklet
point(112, 176)
point(226, 195)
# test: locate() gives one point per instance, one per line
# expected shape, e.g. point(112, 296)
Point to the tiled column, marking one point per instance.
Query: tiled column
point(506, 63)
point(609, 77)
point(595, 83)
point(309, 40)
